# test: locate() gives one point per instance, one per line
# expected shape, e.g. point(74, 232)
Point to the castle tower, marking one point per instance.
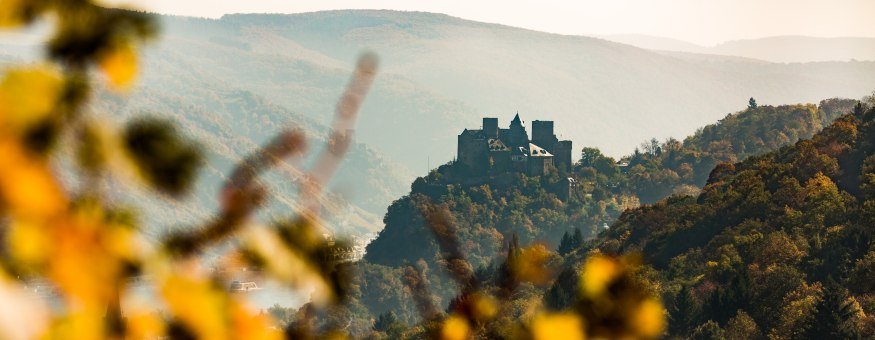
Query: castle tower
point(542, 134)
point(473, 151)
point(562, 152)
point(490, 127)
point(517, 136)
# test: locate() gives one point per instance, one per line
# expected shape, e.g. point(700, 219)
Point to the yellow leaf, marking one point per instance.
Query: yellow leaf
point(120, 66)
point(557, 326)
point(10, 13)
point(485, 307)
point(27, 187)
point(198, 304)
point(598, 272)
point(250, 325)
point(649, 319)
point(81, 324)
point(28, 242)
point(455, 328)
point(27, 97)
point(143, 325)
point(532, 265)
point(83, 265)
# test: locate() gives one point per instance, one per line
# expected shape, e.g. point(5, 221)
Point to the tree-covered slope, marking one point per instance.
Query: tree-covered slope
point(784, 239)
point(657, 170)
point(486, 212)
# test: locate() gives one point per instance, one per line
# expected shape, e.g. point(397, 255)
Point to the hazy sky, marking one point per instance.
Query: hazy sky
point(700, 21)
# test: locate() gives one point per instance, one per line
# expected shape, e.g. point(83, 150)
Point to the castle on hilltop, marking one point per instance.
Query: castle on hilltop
point(492, 150)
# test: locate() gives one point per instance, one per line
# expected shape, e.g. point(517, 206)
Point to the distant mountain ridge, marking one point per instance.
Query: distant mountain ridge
point(778, 49)
point(440, 74)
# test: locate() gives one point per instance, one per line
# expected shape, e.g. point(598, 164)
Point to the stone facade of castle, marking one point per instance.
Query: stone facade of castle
point(492, 150)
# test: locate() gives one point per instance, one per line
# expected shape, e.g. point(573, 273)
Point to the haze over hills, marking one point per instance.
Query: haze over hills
point(440, 74)
point(779, 49)
point(245, 75)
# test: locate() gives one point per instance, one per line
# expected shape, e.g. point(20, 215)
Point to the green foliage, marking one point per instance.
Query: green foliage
point(489, 210)
point(762, 237)
point(570, 242)
point(675, 167)
point(709, 330)
point(742, 327)
point(834, 315)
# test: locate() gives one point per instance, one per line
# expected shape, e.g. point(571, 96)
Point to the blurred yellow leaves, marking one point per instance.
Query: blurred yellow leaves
point(284, 264)
point(615, 297)
point(598, 272)
point(119, 65)
point(198, 303)
point(250, 325)
point(211, 313)
point(532, 264)
point(11, 13)
point(455, 328)
point(144, 325)
point(27, 97)
point(27, 187)
point(82, 252)
point(83, 246)
point(550, 326)
point(485, 307)
point(649, 318)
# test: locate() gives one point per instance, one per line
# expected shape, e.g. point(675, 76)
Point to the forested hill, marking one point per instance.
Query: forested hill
point(657, 170)
point(782, 244)
point(488, 211)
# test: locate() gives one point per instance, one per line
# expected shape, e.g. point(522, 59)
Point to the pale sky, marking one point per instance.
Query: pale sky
point(704, 22)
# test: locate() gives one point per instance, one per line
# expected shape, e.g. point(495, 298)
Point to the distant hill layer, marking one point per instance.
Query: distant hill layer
point(780, 49)
point(440, 74)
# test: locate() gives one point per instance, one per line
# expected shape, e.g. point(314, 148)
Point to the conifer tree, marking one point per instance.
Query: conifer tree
point(833, 315)
point(685, 312)
point(565, 244)
point(385, 321)
point(576, 239)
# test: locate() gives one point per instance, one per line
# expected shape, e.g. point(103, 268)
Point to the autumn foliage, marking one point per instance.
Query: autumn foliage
point(65, 230)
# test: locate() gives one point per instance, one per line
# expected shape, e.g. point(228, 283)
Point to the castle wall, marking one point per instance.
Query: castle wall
point(542, 134)
point(473, 152)
point(562, 152)
point(538, 166)
point(499, 161)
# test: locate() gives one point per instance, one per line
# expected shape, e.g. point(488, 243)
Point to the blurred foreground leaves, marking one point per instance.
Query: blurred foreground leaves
point(77, 240)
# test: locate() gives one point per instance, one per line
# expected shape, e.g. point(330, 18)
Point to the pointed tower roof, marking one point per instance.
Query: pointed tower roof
point(517, 121)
